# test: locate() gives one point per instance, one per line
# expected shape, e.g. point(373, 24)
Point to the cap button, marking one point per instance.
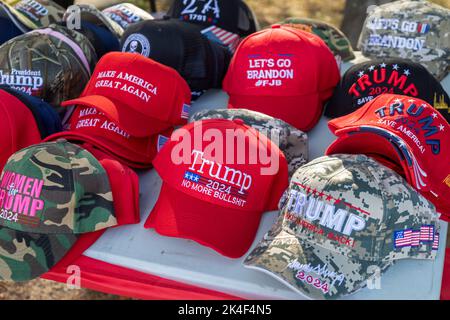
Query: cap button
point(239, 122)
point(276, 26)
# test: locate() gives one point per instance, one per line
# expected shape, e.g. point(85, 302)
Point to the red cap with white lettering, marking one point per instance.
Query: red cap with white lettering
point(140, 95)
point(88, 125)
point(283, 72)
point(405, 131)
point(219, 176)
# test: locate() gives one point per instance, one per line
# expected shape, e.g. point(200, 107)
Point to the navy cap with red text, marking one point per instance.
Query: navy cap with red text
point(365, 81)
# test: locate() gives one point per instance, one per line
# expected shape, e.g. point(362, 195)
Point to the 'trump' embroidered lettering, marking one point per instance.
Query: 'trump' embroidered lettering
point(314, 209)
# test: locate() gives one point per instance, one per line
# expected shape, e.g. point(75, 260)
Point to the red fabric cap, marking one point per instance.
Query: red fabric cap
point(125, 189)
point(215, 197)
point(415, 128)
point(19, 128)
point(89, 125)
point(142, 96)
point(105, 277)
point(284, 72)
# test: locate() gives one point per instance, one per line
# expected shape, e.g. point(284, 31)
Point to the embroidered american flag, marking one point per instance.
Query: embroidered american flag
point(427, 233)
point(435, 245)
point(185, 111)
point(415, 238)
point(403, 238)
point(161, 142)
point(229, 39)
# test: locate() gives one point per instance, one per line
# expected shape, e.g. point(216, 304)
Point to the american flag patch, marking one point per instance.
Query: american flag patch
point(228, 39)
point(423, 27)
point(161, 141)
point(185, 111)
point(403, 238)
point(435, 245)
point(427, 233)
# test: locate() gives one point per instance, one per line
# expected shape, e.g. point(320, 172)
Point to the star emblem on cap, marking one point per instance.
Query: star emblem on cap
point(434, 115)
point(406, 72)
point(411, 100)
point(383, 65)
point(395, 67)
point(397, 101)
point(441, 127)
point(360, 74)
point(371, 68)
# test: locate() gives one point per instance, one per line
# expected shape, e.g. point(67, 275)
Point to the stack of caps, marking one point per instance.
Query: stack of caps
point(20, 16)
point(50, 194)
point(344, 221)
point(403, 133)
point(127, 107)
point(223, 21)
point(291, 141)
point(283, 72)
point(26, 121)
point(53, 64)
point(334, 38)
point(202, 63)
point(416, 30)
point(365, 81)
point(216, 173)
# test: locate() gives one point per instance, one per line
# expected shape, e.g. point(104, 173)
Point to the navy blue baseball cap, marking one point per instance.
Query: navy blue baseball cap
point(47, 119)
point(9, 30)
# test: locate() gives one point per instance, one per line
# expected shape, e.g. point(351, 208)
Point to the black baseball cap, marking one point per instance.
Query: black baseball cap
point(47, 119)
point(231, 15)
point(202, 63)
point(365, 81)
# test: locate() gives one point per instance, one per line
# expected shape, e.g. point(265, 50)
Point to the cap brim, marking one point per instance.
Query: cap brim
point(135, 123)
point(115, 150)
point(311, 270)
point(25, 256)
point(229, 232)
point(302, 112)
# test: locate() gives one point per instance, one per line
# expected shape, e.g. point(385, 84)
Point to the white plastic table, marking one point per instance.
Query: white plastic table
point(185, 261)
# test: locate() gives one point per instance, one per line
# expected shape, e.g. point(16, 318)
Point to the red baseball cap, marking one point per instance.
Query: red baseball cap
point(141, 95)
point(19, 127)
point(407, 133)
point(283, 72)
point(217, 194)
point(87, 124)
point(125, 188)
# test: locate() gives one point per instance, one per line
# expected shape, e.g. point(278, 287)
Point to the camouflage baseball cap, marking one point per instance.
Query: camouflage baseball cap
point(91, 14)
point(335, 39)
point(343, 218)
point(126, 14)
point(50, 194)
point(32, 14)
point(291, 141)
point(53, 63)
point(416, 30)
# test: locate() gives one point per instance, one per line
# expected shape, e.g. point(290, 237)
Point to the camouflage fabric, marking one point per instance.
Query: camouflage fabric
point(126, 13)
point(92, 14)
point(291, 141)
point(49, 194)
point(333, 37)
point(339, 218)
point(415, 30)
point(35, 13)
point(45, 66)
point(20, 21)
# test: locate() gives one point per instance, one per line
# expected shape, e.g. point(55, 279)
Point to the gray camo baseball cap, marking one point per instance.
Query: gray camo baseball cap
point(412, 29)
point(345, 219)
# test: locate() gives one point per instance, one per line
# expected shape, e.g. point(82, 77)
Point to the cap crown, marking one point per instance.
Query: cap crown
point(41, 13)
point(416, 30)
point(126, 14)
point(280, 61)
point(55, 188)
